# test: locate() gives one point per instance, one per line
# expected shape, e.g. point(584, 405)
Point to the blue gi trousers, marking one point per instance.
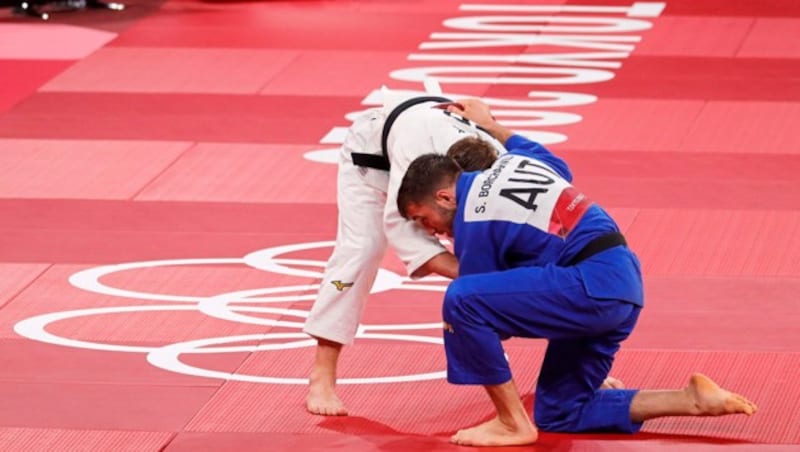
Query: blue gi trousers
point(551, 302)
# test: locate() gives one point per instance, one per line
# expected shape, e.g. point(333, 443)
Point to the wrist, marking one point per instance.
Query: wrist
point(501, 133)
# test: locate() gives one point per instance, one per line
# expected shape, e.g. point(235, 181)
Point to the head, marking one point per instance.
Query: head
point(472, 153)
point(427, 194)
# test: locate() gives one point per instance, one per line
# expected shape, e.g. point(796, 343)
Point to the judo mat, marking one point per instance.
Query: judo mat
point(167, 196)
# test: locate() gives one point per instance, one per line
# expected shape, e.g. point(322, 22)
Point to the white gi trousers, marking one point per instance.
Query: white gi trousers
point(368, 219)
point(360, 238)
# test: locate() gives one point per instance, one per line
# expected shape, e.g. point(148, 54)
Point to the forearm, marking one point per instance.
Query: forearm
point(478, 112)
point(497, 130)
point(444, 264)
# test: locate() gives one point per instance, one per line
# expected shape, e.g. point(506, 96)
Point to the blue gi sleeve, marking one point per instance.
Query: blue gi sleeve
point(476, 259)
point(520, 145)
point(475, 242)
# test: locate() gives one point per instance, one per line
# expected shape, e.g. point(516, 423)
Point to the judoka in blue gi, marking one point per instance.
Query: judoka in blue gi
point(538, 259)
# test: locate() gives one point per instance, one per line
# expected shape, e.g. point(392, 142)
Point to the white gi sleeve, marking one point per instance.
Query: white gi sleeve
point(412, 244)
point(415, 133)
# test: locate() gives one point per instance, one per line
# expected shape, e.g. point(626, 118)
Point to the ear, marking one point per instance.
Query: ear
point(446, 197)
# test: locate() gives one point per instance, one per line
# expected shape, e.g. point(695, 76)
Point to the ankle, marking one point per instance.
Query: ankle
point(515, 423)
point(323, 377)
point(692, 401)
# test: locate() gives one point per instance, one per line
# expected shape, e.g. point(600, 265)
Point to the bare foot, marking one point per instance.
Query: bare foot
point(497, 433)
point(322, 399)
point(612, 383)
point(711, 400)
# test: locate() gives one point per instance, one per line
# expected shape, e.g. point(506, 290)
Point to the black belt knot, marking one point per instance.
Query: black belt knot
point(598, 245)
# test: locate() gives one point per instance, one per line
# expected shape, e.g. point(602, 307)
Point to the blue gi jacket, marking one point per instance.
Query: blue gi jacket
point(523, 211)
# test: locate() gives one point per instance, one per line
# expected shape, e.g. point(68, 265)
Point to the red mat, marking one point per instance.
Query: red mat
point(21, 78)
point(27, 439)
point(696, 36)
point(156, 70)
point(236, 173)
point(163, 229)
point(177, 117)
point(34, 41)
point(772, 38)
point(81, 168)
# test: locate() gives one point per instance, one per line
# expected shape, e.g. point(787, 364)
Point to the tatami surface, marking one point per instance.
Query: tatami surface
point(167, 203)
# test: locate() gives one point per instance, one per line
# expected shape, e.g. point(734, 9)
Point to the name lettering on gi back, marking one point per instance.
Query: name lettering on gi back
point(531, 186)
point(524, 190)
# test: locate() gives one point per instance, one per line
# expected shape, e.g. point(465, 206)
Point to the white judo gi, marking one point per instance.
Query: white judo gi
point(368, 216)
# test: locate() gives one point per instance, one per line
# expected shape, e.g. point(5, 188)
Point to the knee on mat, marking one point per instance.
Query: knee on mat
point(551, 418)
point(557, 416)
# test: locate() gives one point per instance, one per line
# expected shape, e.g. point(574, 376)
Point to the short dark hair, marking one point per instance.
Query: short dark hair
point(472, 153)
point(426, 174)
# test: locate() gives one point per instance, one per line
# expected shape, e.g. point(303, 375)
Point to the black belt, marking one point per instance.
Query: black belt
point(598, 245)
point(381, 161)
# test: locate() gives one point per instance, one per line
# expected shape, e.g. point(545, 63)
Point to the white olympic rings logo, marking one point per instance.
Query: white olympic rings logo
point(168, 357)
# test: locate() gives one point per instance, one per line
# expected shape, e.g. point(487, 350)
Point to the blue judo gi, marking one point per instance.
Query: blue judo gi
point(517, 227)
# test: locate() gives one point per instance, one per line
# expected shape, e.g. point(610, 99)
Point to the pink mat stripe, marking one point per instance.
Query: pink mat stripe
point(178, 117)
point(166, 70)
point(695, 36)
point(301, 26)
point(772, 38)
point(91, 247)
point(15, 277)
point(179, 217)
point(100, 406)
point(644, 77)
point(750, 127)
point(81, 168)
point(22, 41)
point(244, 173)
point(717, 242)
point(27, 361)
point(30, 439)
